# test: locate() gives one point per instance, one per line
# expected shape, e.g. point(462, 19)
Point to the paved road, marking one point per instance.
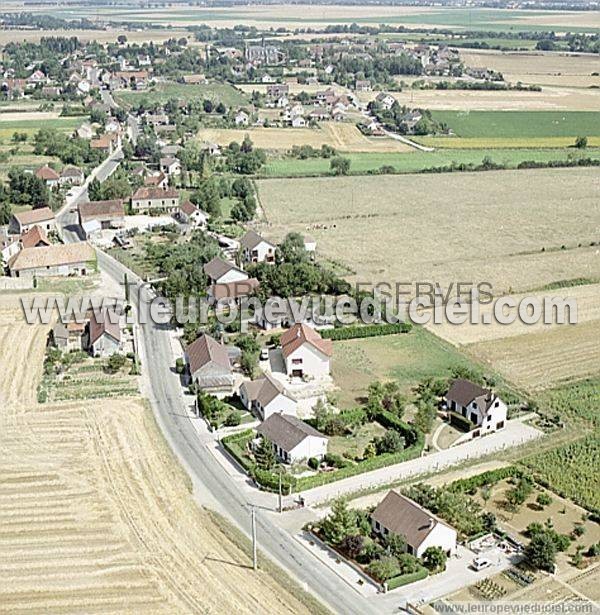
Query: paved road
point(213, 484)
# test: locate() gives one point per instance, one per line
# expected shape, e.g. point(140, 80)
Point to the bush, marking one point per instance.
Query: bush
point(468, 485)
point(233, 419)
point(314, 463)
point(383, 568)
point(358, 331)
point(463, 423)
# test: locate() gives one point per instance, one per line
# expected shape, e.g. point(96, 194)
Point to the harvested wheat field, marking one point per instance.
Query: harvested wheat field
point(549, 99)
point(342, 136)
point(468, 227)
point(97, 516)
point(541, 360)
point(102, 36)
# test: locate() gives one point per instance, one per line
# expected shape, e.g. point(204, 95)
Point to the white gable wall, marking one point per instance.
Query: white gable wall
point(311, 361)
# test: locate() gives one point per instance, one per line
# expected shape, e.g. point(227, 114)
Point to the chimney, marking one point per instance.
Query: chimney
point(431, 522)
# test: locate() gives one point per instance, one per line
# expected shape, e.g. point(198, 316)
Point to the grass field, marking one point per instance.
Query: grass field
point(344, 137)
point(414, 161)
point(32, 122)
point(163, 92)
point(444, 228)
point(520, 124)
point(406, 358)
point(501, 143)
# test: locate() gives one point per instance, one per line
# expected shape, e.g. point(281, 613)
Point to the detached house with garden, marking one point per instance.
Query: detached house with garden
point(293, 440)
point(210, 366)
point(305, 352)
point(397, 514)
point(483, 410)
point(265, 397)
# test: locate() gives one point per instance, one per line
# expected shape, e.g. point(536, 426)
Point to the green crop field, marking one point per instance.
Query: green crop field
point(520, 124)
point(412, 162)
point(572, 471)
point(163, 92)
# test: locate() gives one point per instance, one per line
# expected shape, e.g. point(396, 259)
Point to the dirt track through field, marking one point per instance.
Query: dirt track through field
point(95, 513)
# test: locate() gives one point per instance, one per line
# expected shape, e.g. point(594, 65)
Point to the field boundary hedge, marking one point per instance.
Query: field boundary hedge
point(491, 477)
point(354, 332)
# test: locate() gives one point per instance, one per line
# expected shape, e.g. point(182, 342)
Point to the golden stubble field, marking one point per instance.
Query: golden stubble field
point(95, 513)
point(506, 228)
point(551, 68)
point(344, 137)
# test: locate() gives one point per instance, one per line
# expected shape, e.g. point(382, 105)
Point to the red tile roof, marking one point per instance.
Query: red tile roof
point(301, 334)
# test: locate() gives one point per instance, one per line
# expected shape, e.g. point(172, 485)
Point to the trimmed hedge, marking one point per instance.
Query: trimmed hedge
point(375, 463)
point(458, 420)
point(405, 579)
point(391, 421)
point(356, 331)
point(233, 446)
point(491, 477)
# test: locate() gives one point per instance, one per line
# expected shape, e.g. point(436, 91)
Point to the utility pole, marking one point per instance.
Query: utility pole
point(254, 557)
point(280, 489)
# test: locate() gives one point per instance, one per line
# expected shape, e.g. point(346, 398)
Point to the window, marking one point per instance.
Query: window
point(296, 361)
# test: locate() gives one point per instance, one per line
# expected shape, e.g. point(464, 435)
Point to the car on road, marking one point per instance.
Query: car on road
point(480, 563)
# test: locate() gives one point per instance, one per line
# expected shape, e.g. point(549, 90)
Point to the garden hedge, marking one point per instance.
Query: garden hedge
point(491, 477)
point(356, 331)
point(405, 579)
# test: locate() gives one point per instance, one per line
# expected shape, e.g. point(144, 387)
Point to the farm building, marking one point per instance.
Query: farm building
point(293, 439)
point(397, 514)
point(68, 337)
point(147, 199)
point(42, 216)
point(56, 260)
point(48, 175)
point(35, 237)
point(102, 214)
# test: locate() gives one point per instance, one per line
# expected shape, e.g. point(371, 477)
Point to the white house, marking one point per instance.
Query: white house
point(298, 122)
point(256, 249)
point(210, 366)
point(266, 396)
point(305, 352)
point(397, 514)
point(72, 175)
point(48, 175)
point(192, 215)
point(242, 119)
point(485, 410)
point(222, 272)
point(170, 165)
point(9, 246)
point(385, 100)
point(103, 337)
point(293, 440)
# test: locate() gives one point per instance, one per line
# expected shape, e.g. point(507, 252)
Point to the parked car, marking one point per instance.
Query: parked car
point(480, 563)
point(264, 354)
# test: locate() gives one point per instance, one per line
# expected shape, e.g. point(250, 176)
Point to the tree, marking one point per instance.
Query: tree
point(121, 39)
point(386, 396)
point(340, 522)
point(384, 568)
point(291, 249)
point(352, 545)
point(265, 454)
point(541, 552)
point(581, 142)
point(340, 165)
point(434, 558)
point(395, 544)
point(207, 197)
point(390, 442)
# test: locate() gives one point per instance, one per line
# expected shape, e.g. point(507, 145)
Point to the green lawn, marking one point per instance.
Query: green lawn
point(407, 358)
point(354, 445)
point(521, 124)
point(64, 124)
point(411, 162)
point(162, 92)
